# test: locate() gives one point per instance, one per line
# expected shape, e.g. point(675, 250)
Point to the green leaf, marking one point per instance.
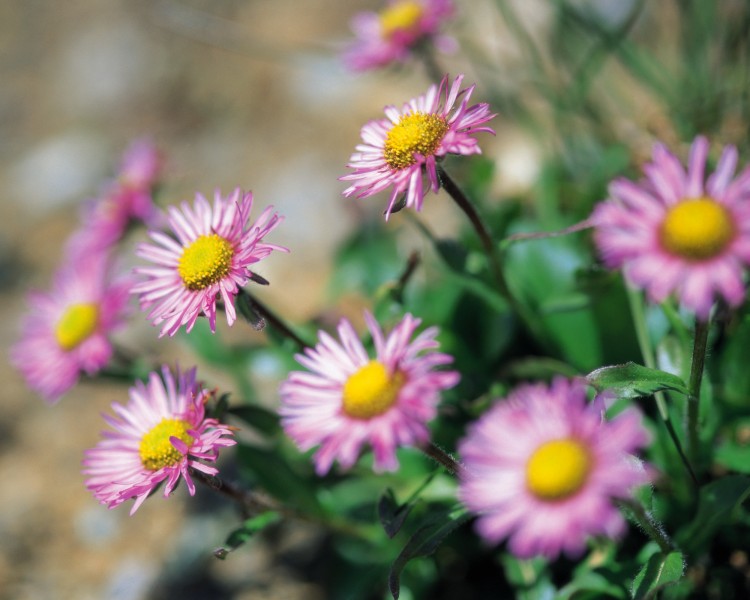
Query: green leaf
point(660, 570)
point(248, 529)
point(633, 381)
point(423, 543)
point(257, 417)
point(392, 514)
point(733, 364)
point(716, 505)
point(278, 478)
point(590, 584)
point(523, 573)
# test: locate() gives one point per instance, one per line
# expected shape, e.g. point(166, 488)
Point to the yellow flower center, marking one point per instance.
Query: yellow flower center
point(205, 261)
point(415, 133)
point(156, 451)
point(401, 16)
point(371, 391)
point(78, 322)
point(558, 469)
point(697, 228)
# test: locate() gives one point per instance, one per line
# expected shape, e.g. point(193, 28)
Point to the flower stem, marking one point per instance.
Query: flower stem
point(251, 503)
point(644, 342)
point(275, 321)
point(526, 315)
point(694, 385)
point(443, 458)
point(648, 523)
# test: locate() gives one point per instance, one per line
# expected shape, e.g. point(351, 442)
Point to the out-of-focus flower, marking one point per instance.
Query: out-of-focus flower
point(542, 469)
point(397, 151)
point(160, 435)
point(66, 330)
point(348, 400)
point(391, 35)
point(123, 201)
point(212, 256)
point(674, 234)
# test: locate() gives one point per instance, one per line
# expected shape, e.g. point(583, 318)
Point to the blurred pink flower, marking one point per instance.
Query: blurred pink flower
point(399, 150)
point(123, 201)
point(675, 234)
point(212, 256)
point(542, 469)
point(159, 435)
point(392, 34)
point(349, 400)
point(66, 331)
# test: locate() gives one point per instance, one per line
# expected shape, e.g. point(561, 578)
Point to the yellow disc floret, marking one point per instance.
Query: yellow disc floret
point(401, 16)
point(697, 229)
point(415, 133)
point(205, 261)
point(77, 323)
point(156, 451)
point(371, 390)
point(558, 469)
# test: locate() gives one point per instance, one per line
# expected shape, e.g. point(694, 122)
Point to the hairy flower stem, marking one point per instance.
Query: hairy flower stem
point(694, 386)
point(251, 503)
point(443, 458)
point(644, 342)
point(525, 314)
point(648, 523)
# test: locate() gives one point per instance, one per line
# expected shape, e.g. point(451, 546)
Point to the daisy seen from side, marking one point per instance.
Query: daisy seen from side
point(126, 200)
point(398, 151)
point(542, 469)
point(678, 233)
point(66, 331)
point(211, 257)
point(391, 35)
point(347, 400)
point(158, 436)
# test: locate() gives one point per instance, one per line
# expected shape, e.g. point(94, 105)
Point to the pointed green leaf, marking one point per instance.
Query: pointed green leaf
point(631, 380)
point(258, 417)
point(248, 529)
point(717, 503)
point(660, 570)
point(423, 543)
point(392, 514)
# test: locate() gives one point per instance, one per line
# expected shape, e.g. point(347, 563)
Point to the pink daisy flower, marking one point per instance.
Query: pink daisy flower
point(675, 234)
point(349, 399)
point(66, 331)
point(390, 35)
point(212, 256)
point(159, 435)
point(542, 468)
point(399, 150)
point(128, 199)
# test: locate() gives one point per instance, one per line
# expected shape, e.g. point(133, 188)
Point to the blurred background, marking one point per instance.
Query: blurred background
point(252, 93)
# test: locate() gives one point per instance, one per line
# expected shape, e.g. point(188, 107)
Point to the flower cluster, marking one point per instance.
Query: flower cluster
point(541, 468)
